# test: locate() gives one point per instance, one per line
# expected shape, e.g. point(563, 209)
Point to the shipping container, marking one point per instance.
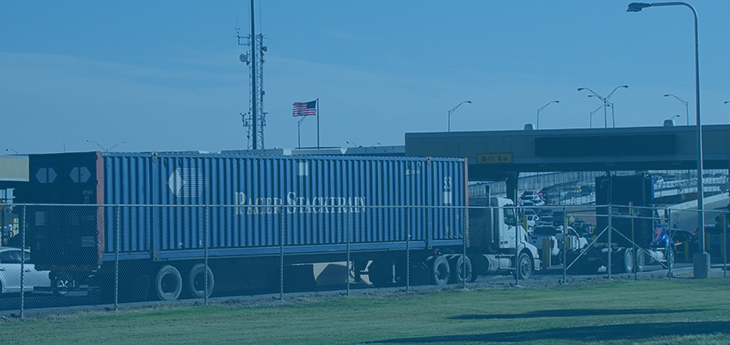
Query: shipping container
point(170, 208)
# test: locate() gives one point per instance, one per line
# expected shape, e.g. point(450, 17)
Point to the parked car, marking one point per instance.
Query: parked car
point(10, 259)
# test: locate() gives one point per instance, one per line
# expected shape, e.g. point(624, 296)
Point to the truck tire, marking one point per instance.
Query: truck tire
point(440, 271)
point(196, 281)
point(641, 261)
point(460, 269)
point(628, 261)
point(168, 283)
point(524, 266)
point(62, 284)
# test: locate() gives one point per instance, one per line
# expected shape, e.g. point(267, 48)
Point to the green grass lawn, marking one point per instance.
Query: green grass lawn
point(618, 312)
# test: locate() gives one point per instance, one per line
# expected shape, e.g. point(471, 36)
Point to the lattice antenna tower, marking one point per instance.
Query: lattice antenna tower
point(255, 120)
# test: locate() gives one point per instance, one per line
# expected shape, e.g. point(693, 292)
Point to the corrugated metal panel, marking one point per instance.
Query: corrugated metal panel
point(319, 200)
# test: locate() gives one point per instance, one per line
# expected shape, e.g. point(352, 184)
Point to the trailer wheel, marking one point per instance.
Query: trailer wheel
point(460, 269)
point(196, 281)
point(168, 283)
point(440, 271)
point(524, 266)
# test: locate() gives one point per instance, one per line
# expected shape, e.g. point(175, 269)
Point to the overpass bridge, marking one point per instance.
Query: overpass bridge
point(503, 155)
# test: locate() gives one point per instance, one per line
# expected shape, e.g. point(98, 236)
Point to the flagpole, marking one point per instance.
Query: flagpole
point(318, 123)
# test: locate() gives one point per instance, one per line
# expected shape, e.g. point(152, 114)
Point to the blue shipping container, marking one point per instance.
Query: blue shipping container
point(169, 202)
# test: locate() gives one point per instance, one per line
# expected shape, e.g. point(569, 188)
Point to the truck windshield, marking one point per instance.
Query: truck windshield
point(509, 216)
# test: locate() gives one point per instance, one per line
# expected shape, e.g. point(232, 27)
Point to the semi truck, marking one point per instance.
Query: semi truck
point(636, 225)
point(151, 221)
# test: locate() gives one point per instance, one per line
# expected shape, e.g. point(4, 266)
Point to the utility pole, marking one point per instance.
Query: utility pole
point(255, 119)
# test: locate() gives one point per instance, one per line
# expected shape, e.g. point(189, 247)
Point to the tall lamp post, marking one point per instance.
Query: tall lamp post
point(590, 117)
point(453, 110)
point(541, 108)
point(604, 100)
point(686, 106)
point(701, 260)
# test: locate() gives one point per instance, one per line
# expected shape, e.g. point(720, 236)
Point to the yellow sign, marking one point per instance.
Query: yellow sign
point(494, 158)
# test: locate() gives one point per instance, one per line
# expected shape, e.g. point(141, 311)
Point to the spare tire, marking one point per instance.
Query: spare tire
point(168, 283)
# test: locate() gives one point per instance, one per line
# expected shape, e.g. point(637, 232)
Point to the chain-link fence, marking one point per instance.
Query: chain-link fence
point(112, 254)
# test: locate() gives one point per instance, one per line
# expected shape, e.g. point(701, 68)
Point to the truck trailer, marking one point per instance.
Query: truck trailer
point(151, 221)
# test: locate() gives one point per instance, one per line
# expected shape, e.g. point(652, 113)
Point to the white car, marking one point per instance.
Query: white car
point(10, 259)
point(545, 231)
point(531, 219)
point(556, 236)
point(531, 200)
point(575, 240)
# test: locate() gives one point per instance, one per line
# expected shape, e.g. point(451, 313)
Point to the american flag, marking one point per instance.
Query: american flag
point(305, 108)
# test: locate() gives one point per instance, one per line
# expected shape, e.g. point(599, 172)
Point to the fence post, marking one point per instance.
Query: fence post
point(281, 256)
point(347, 271)
point(408, 249)
point(22, 267)
point(517, 248)
point(671, 248)
point(633, 242)
point(565, 246)
point(724, 245)
point(464, 234)
point(205, 257)
point(610, 245)
point(116, 258)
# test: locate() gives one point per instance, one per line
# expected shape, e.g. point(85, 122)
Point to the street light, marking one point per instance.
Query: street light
point(541, 108)
point(670, 120)
point(701, 260)
point(728, 102)
point(452, 110)
point(604, 100)
point(686, 106)
point(590, 120)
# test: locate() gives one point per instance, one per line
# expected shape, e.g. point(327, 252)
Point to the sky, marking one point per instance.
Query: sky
point(165, 75)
